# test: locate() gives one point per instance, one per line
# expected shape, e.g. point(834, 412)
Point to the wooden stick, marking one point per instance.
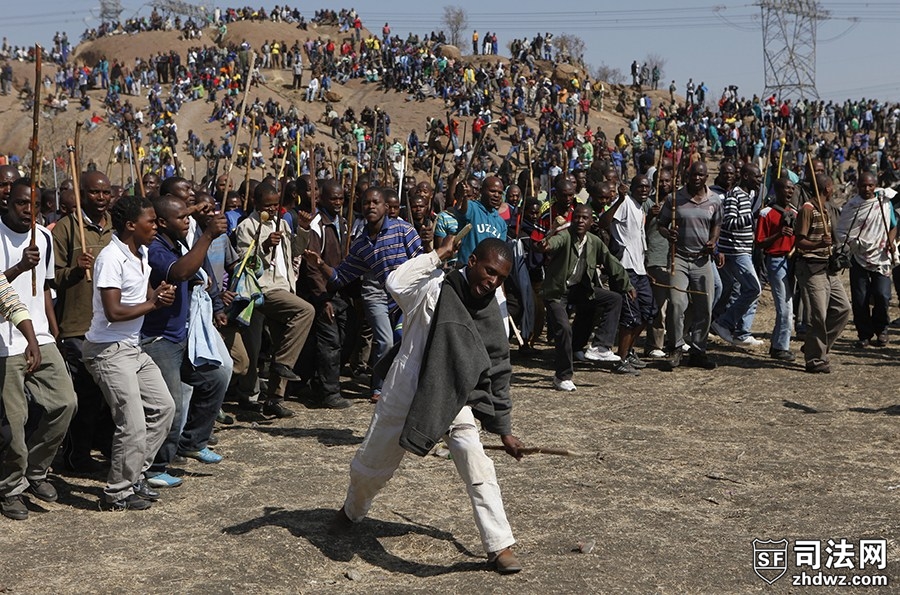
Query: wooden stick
point(530, 171)
point(352, 205)
point(76, 182)
point(249, 161)
point(240, 116)
point(78, 126)
point(140, 174)
point(40, 167)
point(515, 329)
point(674, 220)
point(534, 450)
point(662, 150)
point(431, 174)
point(333, 164)
point(780, 159)
point(764, 187)
point(282, 166)
point(35, 131)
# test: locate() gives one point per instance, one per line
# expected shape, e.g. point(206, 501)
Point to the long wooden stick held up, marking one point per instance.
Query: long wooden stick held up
point(78, 126)
point(35, 131)
point(249, 161)
point(76, 182)
point(240, 116)
point(134, 159)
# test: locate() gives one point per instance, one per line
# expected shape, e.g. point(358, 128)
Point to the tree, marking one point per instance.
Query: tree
point(455, 20)
point(569, 48)
point(607, 73)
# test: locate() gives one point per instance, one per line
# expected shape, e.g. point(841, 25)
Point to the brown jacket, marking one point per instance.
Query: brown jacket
point(74, 308)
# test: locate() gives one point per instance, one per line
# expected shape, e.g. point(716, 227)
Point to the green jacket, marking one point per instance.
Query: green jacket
point(563, 255)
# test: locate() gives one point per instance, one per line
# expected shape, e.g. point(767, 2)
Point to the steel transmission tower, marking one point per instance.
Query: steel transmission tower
point(789, 46)
point(110, 10)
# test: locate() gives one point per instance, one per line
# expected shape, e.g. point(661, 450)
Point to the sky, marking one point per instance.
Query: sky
point(719, 43)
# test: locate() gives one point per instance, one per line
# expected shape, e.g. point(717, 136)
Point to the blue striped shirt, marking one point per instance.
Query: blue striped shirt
point(396, 243)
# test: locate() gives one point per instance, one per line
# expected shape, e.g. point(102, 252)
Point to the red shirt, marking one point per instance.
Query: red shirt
point(770, 222)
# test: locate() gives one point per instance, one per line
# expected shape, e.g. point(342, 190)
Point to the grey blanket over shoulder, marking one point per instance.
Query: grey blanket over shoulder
point(466, 361)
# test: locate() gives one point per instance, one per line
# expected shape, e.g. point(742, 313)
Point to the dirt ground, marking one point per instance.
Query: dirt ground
point(677, 474)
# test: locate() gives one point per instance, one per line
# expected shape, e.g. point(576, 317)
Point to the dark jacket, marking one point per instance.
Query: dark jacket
point(562, 263)
point(466, 361)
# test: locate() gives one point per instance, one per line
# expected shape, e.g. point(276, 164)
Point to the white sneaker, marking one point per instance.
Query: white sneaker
point(656, 354)
point(596, 354)
point(563, 385)
point(750, 341)
point(722, 332)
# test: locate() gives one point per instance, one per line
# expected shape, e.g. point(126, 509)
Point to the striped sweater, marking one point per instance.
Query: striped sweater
point(11, 307)
point(736, 236)
point(396, 243)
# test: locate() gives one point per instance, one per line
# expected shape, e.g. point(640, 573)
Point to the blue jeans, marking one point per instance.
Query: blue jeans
point(870, 322)
point(738, 317)
point(781, 283)
point(375, 305)
point(195, 410)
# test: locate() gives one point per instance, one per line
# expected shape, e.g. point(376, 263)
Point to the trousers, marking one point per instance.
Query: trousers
point(142, 409)
point(695, 274)
point(52, 391)
point(380, 454)
point(597, 311)
point(195, 410)
point(829, 311)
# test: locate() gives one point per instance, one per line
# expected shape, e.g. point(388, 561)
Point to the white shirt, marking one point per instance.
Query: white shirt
point(628, 230)
point(116, 267)
point(12, 342)
point(415, 286)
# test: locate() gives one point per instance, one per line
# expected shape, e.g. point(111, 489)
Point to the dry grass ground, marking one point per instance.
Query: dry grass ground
point(677, 474)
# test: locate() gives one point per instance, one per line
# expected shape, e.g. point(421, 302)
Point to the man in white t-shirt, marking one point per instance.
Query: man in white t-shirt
point(132, 384)
point(25, 464)
point(625, 219)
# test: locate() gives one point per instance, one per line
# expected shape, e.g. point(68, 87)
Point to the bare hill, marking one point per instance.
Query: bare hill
point(15, 122)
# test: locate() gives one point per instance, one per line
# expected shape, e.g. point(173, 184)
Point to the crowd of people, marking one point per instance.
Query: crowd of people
point(413, 263)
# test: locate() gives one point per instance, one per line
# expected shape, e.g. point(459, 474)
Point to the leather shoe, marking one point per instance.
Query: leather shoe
point(505, 562)
point(42, 490)
point(276, 409)
point(283, 371)
point(132, 502)
point(334, 402)
point(340, 524)
point(143, 490)
point(13, 507)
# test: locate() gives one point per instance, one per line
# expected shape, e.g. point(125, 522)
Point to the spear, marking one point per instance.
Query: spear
point(36, 126)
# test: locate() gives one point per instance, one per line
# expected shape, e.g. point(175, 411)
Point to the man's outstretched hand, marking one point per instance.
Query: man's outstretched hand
point(447, 248)
point(513, 446)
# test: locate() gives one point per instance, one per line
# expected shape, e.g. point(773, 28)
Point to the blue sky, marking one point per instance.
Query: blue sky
point(718, 43)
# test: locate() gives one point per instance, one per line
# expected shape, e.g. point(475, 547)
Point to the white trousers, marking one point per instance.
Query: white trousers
point(380, 455)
